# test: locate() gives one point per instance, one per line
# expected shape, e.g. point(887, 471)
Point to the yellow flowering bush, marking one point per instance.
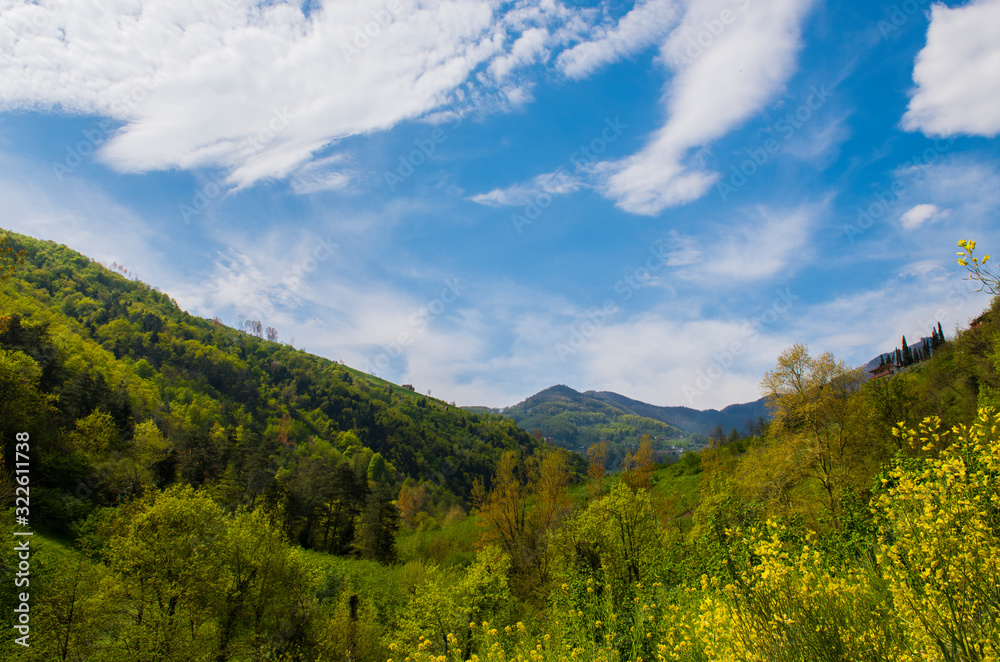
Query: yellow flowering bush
point(793, 605)
point(940, 546)
point(926, 587)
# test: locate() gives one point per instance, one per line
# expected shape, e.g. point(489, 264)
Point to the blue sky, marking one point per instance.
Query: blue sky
point(484, 199)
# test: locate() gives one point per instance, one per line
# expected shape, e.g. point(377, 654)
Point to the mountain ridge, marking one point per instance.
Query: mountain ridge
point(576, 420)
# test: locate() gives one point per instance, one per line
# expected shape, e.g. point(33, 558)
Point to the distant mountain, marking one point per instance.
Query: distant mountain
point(576, 420)
point(694, 421)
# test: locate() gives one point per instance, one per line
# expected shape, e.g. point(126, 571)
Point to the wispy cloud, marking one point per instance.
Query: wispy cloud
point(646, 24)
point(742, 65)
point(754, 244)
point(553, 183)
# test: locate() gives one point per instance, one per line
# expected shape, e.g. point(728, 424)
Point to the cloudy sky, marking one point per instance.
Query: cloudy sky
point(486, 198)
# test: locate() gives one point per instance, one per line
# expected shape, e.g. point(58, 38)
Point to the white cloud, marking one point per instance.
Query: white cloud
point(920, 214)
point(692, 364)
point(958, 73)
point(858, 325)
point(731, 59)
point(647, 22)
point(966, 187)
point(762, 244)
point(257, 90)
point(552, 183)
point(329, 174)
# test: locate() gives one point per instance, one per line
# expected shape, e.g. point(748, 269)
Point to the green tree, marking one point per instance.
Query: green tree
point(811, 400)
point(9, 258)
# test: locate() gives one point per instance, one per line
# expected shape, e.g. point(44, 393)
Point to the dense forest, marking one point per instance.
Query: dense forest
point(200, 493)
point(123, 393)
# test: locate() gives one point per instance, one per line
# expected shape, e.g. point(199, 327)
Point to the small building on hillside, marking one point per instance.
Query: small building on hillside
point(409, 387)
point(886, 368)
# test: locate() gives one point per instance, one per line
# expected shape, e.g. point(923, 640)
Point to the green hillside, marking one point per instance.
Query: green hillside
point(202, 494)
point(575, 421)
point(123, 392)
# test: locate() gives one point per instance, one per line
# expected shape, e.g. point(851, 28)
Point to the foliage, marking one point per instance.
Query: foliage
point(940, 540)
point(577, 422)
point(125, 392)
point(221, 497)
point(812, 403)
point(792, 604)
point(516, 526)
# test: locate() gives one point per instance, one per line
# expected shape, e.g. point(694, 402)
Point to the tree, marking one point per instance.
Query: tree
point(550, 484)
point(639, 467)
point(411, 501)
point(509, 523)
point(611, 547)
point(197, 584)
point(598, 456)
point(376, 468)
point(886, 402)
point(810, 399)
point(380, 518)
point(9, 258)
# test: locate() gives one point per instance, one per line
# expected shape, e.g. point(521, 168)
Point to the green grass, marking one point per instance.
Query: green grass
point(452, 545)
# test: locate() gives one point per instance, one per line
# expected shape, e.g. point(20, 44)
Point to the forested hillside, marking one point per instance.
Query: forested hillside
point(202, 494)
point(123, 392)
point(575, 420)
